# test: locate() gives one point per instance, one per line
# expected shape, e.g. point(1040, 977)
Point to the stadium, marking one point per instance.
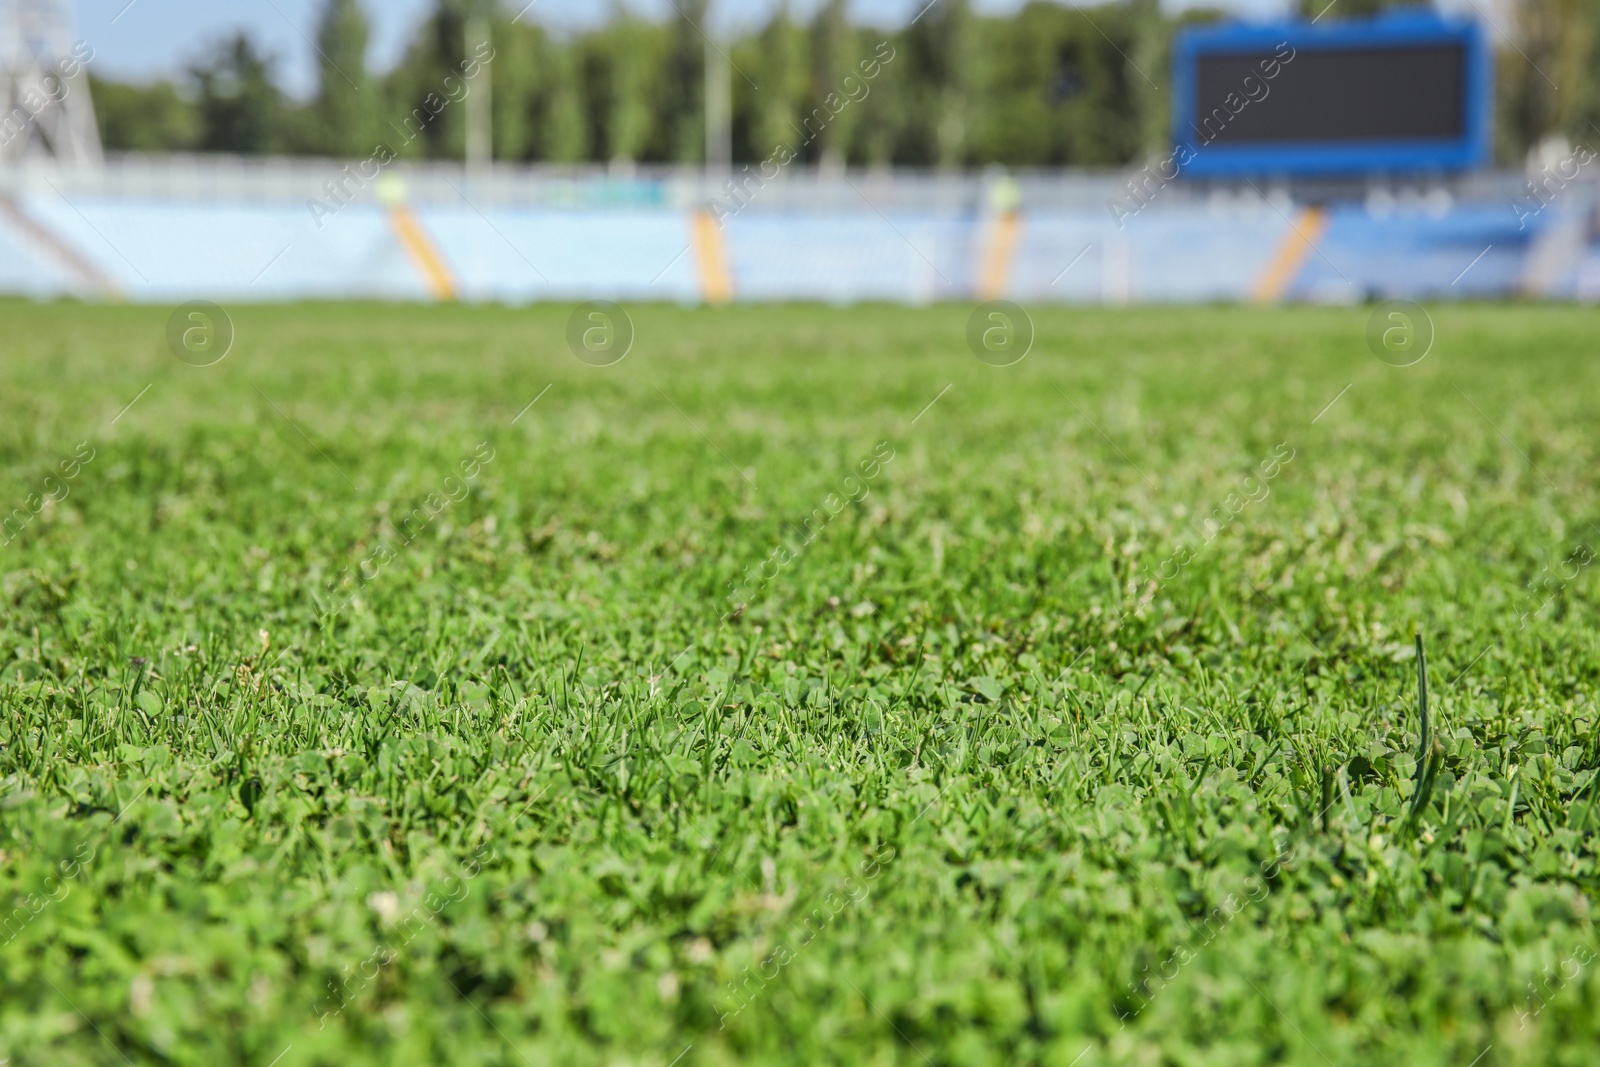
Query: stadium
point(756, 531)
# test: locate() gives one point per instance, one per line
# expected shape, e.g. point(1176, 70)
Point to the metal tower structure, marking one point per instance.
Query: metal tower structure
point(45, 108)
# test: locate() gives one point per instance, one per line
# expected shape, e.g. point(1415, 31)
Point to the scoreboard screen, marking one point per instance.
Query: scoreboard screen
point(1398, 93)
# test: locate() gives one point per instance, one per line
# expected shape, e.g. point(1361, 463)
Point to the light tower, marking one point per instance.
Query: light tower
point(45, 108)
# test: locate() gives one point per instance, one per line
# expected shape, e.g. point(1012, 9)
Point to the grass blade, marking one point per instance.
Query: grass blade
point(1429, 753)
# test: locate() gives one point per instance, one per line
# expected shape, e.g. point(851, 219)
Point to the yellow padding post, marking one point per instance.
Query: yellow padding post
point(1297, 244)
point(999, 250)
point(711, 258)
point(422, 253)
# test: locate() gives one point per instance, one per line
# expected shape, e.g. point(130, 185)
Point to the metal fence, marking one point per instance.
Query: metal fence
point(202, 178)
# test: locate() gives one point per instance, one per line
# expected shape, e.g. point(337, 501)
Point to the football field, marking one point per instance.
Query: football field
point(798, 689)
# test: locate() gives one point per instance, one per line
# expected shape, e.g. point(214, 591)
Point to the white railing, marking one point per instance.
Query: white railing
point(239, 179)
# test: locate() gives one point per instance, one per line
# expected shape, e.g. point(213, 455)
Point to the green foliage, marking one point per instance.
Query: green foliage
point(1049, 85)
point(561, 132)
point(1547, 86)
point(346, 103)
point(1002, 780)
point(1065, 97)
point(239, 109)
point(961, 90)
point(680, 110)
point(428, 116)
point(144, 118)
point(771, 114)
point(624, 57)
point(514, 81)
point(833, 59)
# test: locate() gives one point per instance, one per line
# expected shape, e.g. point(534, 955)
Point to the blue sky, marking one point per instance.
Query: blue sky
point(145, 39)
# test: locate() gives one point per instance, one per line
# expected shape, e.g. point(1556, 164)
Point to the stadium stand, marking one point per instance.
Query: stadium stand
point(516, 254)
point(1469, 250)
point(179, 228)
point(33, 262)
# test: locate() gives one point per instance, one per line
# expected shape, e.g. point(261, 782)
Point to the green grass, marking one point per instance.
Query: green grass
point(1017, 758)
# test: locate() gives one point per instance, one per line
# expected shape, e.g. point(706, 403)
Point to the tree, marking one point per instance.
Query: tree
point(941, 58)
point(832, 115)
point(517, 47)
point(766, 118)
point(681, 114)
point(144, 118)
point(1065, 94)
point(426, 90)
point(240, 108)
point(955, 50)
point(628, 63)
point(1150, 56)
point(1556, 45)
point(560, 132)
point(1580, 115)
point(1051, 84)
point(1351, 9)
point(882, 119)
point(342, 112)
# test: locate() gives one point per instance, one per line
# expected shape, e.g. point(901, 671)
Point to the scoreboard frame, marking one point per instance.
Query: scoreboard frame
point(1398, 31)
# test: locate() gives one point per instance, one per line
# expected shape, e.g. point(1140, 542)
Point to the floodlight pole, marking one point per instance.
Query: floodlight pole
point(719, 109)
point(45, 108)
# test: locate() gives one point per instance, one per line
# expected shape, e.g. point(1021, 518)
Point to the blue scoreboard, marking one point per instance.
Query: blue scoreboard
point(1405, 92)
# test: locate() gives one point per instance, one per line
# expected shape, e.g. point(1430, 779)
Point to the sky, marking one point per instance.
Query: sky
point(146, 39)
